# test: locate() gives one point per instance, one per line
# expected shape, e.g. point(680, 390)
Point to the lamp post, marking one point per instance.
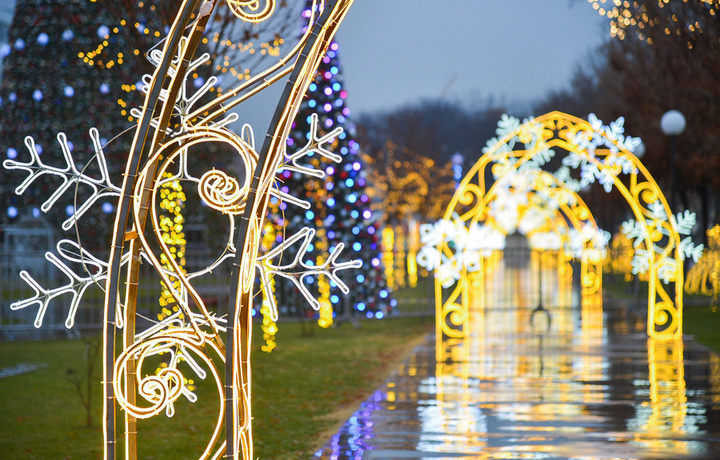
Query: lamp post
point(672, 124)
point(639, 152)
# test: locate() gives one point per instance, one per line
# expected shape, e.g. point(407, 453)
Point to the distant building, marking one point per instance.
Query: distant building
point(7, 10)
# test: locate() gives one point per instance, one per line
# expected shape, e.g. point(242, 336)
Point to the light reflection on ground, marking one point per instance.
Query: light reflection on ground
point(592, 386)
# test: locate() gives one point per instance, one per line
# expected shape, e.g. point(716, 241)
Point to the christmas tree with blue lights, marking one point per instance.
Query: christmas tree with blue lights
point(340, 207)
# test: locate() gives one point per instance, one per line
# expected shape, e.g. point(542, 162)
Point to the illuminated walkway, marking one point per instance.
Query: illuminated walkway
point(593, 386)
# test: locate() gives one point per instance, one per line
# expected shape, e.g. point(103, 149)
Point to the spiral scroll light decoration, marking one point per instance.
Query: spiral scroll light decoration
point(592, 152)
point(171, 124)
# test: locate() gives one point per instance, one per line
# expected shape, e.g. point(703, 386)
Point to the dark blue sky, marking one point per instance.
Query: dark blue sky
point(395, 52)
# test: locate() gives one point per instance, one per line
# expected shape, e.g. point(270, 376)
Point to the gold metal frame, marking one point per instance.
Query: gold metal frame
point(600, 150)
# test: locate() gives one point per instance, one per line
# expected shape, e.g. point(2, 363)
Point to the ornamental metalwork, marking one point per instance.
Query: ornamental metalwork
point(589, 152)
point(172, 123)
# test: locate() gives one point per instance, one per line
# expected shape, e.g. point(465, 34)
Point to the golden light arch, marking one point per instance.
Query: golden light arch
point(535, 204)
point(586, 243)
point(590, 152)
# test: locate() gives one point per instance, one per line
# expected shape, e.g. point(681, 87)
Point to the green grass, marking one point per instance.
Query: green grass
point(700, 319)
point(703, 323)
point(302, 392)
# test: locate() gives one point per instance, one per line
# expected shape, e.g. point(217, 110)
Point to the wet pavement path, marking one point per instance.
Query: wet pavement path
point(591, 386)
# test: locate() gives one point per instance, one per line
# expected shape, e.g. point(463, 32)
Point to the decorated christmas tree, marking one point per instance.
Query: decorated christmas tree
point(53, 82)
point(340, 209)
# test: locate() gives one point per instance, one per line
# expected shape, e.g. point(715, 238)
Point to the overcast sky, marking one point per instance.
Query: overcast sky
point(395, 52)
point(398, 52)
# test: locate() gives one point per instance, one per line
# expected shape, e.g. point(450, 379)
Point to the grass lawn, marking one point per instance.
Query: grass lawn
point(703, 322)
point(302, 392)
point(700, 319)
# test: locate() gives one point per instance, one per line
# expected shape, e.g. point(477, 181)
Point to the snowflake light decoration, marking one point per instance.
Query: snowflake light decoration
point(668, 268)
point(173, 122)
point(588, 152)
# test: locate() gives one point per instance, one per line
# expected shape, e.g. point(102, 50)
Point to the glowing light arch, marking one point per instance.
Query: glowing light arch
point(569, 206)
point(597, 152)
point(533, 203)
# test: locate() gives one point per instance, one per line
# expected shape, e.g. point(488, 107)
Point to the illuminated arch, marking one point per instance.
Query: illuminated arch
point(587, 241)
point(592, 151)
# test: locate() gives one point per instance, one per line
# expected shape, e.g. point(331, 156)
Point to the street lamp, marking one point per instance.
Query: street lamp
point(640, 150)
point(672, 124)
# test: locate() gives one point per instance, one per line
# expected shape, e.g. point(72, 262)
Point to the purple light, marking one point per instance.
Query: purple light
point(328, 122)
point(103, 31)
point(367, 214)
point(356, 166)
point(327, 91)
point(346, 112)
point(328, 75)
point(330, 171)
point(327, 107)
point(290, 141)
point(375, 262)
point(334, 46)
point(371, 230)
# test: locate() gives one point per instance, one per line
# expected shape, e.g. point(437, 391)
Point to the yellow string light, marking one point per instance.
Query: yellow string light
point(619, 258)
point(703, 276)
point(399, 256)
point(269, 327)
point(171, 222)
point(325, 312)
point(647, 16)
point(388, 243)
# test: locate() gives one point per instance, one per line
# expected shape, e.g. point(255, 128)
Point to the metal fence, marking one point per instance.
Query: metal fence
point(19, 324)
point(415, 300)
point(515, 277)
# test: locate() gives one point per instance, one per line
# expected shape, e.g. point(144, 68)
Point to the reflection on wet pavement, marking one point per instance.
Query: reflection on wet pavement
point(591, 386)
